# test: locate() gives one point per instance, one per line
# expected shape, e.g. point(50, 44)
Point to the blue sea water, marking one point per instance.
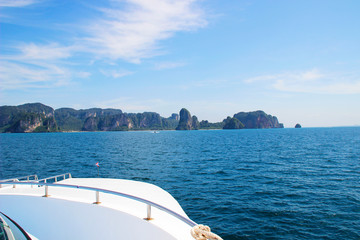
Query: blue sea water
point(245, 184)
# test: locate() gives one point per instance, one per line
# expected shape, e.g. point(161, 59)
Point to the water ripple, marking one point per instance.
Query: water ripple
point(248, 184)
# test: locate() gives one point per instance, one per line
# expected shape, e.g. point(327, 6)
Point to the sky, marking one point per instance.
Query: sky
point(298, 60)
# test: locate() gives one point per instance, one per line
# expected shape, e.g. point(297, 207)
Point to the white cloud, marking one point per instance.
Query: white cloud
point(131, 30)
point(35, 66)
point(115, 73)
point(134, 33)
point(168, 65)
point(20, 76)
point(52, 51)
point(83, 74)
point(312, 81)
point(17, 3)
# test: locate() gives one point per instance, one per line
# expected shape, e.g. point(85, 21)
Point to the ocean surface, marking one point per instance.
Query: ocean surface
point(245, 184)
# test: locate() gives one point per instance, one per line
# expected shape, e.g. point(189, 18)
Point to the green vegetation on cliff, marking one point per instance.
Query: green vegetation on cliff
point(205, 124)
point(233, 123)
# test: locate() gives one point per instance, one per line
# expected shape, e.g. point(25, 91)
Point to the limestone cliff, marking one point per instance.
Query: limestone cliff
point(187, 122)
point(37, 117)
point(70, 119)
point(34, 117)
point(258, 119)
point(195, 124)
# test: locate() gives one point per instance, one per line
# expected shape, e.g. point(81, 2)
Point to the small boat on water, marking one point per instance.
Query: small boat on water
point(62, 207)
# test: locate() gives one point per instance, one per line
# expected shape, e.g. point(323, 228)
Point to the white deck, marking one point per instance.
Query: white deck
point(71, 214)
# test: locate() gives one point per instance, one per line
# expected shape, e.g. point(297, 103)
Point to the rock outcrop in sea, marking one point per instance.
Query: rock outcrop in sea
point(298, 125)
point(258, 119)
point(187, 122)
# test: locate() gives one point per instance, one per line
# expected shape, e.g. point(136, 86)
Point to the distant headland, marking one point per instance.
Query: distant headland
point(37, 117)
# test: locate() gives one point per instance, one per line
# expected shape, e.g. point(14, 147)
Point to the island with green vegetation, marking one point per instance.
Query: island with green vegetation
point(37, 117)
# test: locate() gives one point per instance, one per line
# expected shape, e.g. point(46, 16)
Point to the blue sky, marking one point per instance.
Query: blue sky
point(298, 60)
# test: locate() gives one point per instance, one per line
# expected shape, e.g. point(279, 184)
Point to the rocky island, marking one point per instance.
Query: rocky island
point(37, 117)
point(187, 122)
point(258, 119)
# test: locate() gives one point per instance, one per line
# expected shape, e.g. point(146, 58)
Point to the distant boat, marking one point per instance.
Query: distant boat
point(62, 207)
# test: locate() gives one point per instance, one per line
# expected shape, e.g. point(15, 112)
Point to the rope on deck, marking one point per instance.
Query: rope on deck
point(202, 232)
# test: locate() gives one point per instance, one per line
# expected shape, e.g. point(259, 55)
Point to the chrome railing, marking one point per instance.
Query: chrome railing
point(27, 178)
point(100, 190)
point(55, 178)
point(18, 179)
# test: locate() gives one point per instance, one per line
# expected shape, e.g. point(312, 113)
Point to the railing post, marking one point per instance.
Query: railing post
point(97, 201)
point(16, 180)
point(46, 191)
point(148, 218)
point(55, 179)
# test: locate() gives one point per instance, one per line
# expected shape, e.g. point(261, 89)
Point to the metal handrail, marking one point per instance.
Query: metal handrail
point(97, 190)
point(19, 178)
point(55, 177)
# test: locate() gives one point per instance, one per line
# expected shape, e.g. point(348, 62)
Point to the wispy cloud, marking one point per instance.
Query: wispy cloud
point(20, 76)
point(134, 33)
point(83, 74)
point(35, 66)
point(311, 81)
point(52, 51)
point(168, 65)
point(17, 3)
point(116, 73)
point(132, 30)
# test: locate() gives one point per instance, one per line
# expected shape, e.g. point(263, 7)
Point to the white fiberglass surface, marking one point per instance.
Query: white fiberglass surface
point(48, 218)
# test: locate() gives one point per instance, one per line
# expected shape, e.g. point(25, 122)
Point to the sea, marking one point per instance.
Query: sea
point(244, 184)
